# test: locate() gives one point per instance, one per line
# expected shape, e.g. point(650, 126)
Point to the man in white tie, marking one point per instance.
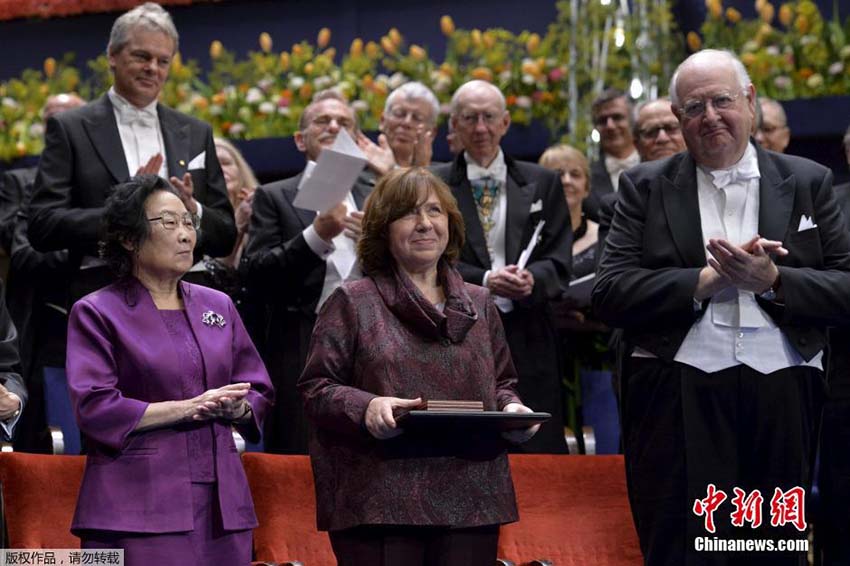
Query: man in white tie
point(123, 133)
point(612, 117)
point(724, 266)
point(295, 259)
point(503, 201)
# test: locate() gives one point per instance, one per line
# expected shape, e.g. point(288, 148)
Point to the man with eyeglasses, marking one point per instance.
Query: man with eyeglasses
point(408, 126)
point(295, 259)
point(772, 131)
point(126, 132)
point(502, 201)
point(612, 117)
point(724, 266)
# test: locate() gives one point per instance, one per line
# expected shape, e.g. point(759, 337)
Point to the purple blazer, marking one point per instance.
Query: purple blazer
point(120, 358)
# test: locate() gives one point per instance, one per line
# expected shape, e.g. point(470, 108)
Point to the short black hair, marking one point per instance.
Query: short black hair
point(124, 220)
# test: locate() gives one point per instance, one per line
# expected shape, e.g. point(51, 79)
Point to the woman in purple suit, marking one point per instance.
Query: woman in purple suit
point(159, 373)
point(411, 330)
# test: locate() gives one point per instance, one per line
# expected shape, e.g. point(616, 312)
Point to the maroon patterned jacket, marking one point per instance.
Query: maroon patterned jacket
point(379, 336)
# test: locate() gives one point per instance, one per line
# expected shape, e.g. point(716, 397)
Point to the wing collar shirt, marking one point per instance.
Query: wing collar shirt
point(497, 171)
point(615, 166)
point(140, 131)
point(734, 329)
point(340, 255)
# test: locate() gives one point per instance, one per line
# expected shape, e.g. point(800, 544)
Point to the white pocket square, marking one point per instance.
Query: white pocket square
point(806, 223)
point(536, 206)
point(198, 162)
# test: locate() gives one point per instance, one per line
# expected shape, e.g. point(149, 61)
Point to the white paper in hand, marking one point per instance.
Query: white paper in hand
point(325, 185)
point(526, 253)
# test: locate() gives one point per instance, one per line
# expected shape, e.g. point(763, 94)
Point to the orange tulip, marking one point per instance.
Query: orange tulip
point(417, 53)
point(395, 37)
point(49, 67)
point(733, 15)
point(265, 42)
point(482, 73)
point(284, 61)
point(694, 41)
point(324, 38)
point(388, 45)
point(356, 47)
point(786, 14)
point(215, 49)
point(533, 43)
point(447, 25)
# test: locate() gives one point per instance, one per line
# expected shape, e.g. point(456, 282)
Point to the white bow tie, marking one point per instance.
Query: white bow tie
point(496, 171)
point(128, 115)
point(615, 165)
point(740, 173)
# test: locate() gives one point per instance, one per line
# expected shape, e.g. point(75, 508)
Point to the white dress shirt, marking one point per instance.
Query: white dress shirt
point(734, 329)
point(497, 171)
point(615, 166)
point(140, 131)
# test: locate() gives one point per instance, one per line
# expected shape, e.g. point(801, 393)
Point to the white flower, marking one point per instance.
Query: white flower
point(360, 106)
point(523, 102)
point(528, 79)
point(750, 45)
point(296, 82)
point(236, 129)
point(505, 76)
point(229, 91)
point(772, 50)
point(10, 102)
point(266, 108)
point(185, 108)
point(216, 110)
point(265, 83)
point(37, 130)
point(283, 110)
point(322, 82)
point(254, 95)
point(442, 83)
point(782, 82)
point(382, 78)
point(807, 40)
point(396, 80)
point(244, 113)
point(836, 68)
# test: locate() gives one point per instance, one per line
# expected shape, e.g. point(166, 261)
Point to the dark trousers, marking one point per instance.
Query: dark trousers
point(415, 546)
point(684, 429)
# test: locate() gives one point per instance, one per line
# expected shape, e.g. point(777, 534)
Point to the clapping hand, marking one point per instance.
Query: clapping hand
point(152, 167)
point(380, 156)
point(227, 403)
point(749, 266)
point(511, 282)
point(185, 190)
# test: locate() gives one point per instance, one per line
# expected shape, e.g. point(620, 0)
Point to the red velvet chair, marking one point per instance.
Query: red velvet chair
point(573, 511)
point(285, 503)
point(39, 494)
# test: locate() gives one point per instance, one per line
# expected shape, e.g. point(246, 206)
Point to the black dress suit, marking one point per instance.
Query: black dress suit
point(645, 285)
point(10, 362)
point(13, 183)
point(832, 529)
point(600, 185)
point(288, 276)
point(83, 159)
point(529, 328)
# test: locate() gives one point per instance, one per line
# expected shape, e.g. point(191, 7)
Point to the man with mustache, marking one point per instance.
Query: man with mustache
point(724, 266)
point(295, 259)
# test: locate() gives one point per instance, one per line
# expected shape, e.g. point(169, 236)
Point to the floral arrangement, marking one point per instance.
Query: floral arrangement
point(789, 52)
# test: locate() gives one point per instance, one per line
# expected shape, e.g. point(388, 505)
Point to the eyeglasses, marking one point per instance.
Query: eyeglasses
point(472, 118)
point(325, 120)
point(694, 108)
point(169, 220)
point(401, 114)
point(769, 129)
point(652, 133)
point(602, 119)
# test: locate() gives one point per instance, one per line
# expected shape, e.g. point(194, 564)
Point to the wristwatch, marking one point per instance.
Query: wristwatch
point(772, 291)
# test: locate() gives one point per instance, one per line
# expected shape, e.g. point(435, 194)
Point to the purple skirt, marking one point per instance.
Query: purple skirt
point(208, 543)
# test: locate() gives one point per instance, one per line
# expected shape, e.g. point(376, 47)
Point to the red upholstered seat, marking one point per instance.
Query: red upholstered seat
point(285, 502)
point(40, 494)
point(573, 510)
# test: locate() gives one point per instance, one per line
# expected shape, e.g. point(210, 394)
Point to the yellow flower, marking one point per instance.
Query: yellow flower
point(533, 43)
point(417, 53)
point(324, 38)
point(215, 49)
point(715, 8)
point(330, 53)
point(815, 81)
point(297, 49)
point(372, 50)
point(21, 149)
point(200, 103)
point(447, 69)
point(284, 61)
point(388, 45)
point(786, 14)
point(694, 41)
point(265, 42)
point(489, 39)
point(476, 37)
point(305, 91)
point(481, 73)
point(748, 59)
point(356, 47)
point(802, 24)
point(531, 68)
point(308, 69)
point(447, 25)
point(367, 81)
point(176, 63)
point(733, 15)
point(766, 12)
point(394, 36)
point(49, 67)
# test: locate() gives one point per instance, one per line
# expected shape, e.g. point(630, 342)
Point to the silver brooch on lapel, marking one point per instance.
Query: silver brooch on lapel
point(212, 318)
